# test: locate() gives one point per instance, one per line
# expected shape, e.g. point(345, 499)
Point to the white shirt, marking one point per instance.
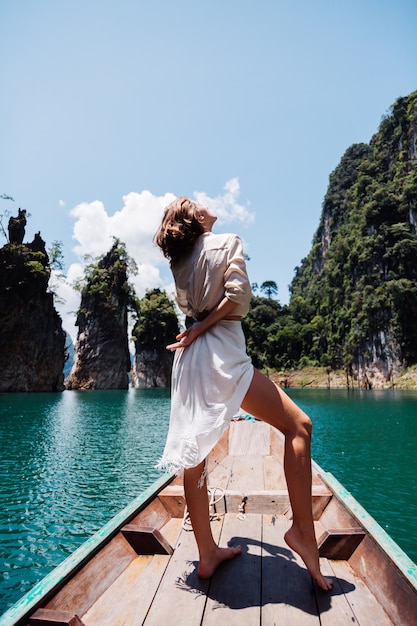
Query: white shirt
point(214, 269)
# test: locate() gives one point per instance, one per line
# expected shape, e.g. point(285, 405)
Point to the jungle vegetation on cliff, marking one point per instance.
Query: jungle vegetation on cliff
point(353, 299)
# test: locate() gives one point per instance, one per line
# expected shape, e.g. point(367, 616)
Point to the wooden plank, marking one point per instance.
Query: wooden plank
point(321, 497)
point(234, 593)
point(340, 543)
point(277, 446)
point(274, 477)
point(181, 595)
point(47, 617)
point(128, 597)
point(81, 592)
point(393, 551)
point(260, 501)
point(114, 605)
point(249, 438)
point(316, 472)
point(219, 452)
point(219, 478)
point(221, 473)
point(247, 474)
point(318, 529)
point(267, 501)
point(173, 499)
point(273, 502)
point(287, 587)
point(390, 586)
point(333, 606)
point(146, 540)
point(154, 515)
point(350, 601)
point(386, 570)
point(335, 515)
point(172, 530)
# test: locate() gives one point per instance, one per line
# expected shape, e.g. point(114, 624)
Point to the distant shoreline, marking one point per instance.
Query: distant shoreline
point(320, 378)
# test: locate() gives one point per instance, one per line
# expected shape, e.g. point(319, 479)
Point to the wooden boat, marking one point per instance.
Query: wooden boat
point(141, 567)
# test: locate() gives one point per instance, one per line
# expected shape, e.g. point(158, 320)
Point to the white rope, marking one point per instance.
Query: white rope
point(215, 495)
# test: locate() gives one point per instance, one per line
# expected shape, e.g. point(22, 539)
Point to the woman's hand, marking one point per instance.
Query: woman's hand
point(185, 338)
point(224, 310)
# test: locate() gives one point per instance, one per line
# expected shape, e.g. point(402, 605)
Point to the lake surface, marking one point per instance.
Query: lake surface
point(70, 461)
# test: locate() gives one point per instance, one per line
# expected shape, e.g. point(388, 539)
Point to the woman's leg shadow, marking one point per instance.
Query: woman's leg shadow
point(256, 578)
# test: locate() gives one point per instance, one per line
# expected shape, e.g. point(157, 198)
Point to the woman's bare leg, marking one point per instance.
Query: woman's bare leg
point(269, 403)
point(210, 555)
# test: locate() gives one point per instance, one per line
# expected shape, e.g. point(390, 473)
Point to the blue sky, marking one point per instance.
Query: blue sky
point(110, 108)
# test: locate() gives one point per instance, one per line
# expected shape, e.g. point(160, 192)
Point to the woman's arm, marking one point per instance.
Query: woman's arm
point(222, 310)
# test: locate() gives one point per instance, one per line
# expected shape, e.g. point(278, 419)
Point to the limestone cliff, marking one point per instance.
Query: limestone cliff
point(156, 327)
point(102, 359)
point(355, 295)
point(152, 368)
point(31, 336)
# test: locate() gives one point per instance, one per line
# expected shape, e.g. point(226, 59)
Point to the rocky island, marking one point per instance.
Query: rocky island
point(32, 340)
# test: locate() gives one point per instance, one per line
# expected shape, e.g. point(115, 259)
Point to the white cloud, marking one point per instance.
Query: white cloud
point(68, 300)
point(226, 206)
point(135, 225)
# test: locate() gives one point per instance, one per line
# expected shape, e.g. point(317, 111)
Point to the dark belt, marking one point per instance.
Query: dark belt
point(189, 321)
point(202, 316)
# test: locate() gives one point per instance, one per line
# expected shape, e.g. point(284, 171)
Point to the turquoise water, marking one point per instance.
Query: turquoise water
point(368, 440)
point(70, 461)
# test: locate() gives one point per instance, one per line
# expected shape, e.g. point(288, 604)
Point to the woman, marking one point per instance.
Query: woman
point(213, 376)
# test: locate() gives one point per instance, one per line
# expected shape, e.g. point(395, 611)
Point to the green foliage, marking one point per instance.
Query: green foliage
point(23, 269)
point(157, 322)
point(259, 325)
point(105, 282)
point(56, 256)
point(359, 282)
point(278, 337)
point(5, 215)
point(269, 288)
point(360, 276)
point(35, 266)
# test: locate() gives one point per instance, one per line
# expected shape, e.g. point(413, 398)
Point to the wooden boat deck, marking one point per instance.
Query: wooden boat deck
point(130, 585)
point(266, 585)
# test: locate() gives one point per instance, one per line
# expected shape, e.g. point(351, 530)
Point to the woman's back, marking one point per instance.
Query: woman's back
point(215, 268)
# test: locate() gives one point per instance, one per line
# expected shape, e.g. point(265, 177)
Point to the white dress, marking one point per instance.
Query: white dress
point(211, 376)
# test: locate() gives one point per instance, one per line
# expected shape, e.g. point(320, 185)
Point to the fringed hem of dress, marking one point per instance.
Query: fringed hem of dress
point(210, 379)
point(190, 451)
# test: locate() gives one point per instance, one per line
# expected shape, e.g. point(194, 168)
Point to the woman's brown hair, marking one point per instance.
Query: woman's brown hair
point(179, 230)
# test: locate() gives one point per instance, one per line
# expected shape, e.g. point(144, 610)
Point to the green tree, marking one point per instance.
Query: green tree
point(56, 256)
point(5, 215)
point(157, 322)
point(107, 275)
point(259, 325)
point(269, 287)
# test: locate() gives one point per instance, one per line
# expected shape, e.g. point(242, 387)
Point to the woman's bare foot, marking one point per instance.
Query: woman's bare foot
point(208, 566)
point(306, 547)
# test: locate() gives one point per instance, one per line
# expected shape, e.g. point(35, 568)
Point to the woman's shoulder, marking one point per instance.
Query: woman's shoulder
point(213, 241)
